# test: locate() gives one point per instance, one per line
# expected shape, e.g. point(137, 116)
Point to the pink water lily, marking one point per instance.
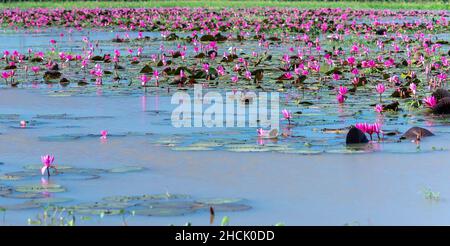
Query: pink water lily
point(234, 78)
point(430, 101)
point(262, 132)
point(205, 67)
point(287, 115)
point(413, 88)
point(103, 134)
point(379, 108)
point(144, 79)
point(340, 98)
point(220, 70)
point(35, 69)
point(380, 89)
point(342, 90)
point(370, 128)
point(336, 76)
point(47, 161)
point(267, 133)
point(248, 75)
point(351, 60)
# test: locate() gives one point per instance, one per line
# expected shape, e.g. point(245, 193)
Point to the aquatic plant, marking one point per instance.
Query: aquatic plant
point(430, 101)
point(103, 134)
point(380, 89)
point(287, 115)
point(47, 161)
point(431, 195)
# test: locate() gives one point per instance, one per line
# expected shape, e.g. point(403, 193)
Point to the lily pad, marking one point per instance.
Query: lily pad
point(103, 205)
point(145, 197)
point(226, 207)
point(17, 195)
point(99, 211)
point(80, 177)
point(51, 116)
point(163, 211)
point(247, 148)
point(303, 151)
point(5, 190)
point(190, 148)
point(217, 201)
point(52, 188)
point(13, 176)
point(20, 206)
point(126, 169)
point(51, 200)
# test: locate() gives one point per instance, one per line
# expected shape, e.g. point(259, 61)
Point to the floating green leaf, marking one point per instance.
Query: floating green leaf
point(51, 188)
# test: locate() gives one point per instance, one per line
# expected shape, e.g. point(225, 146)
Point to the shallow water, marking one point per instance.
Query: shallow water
point(323, 189)
point(306, 177)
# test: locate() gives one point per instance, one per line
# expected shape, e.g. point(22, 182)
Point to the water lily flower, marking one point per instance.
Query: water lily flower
point(362, 126)
point(374, 128)
point(98, 72)
point(288, 75)
point(156, 76)
point(413, 88)
point(104, 133)
point(266, 133)
point(144, 79)
point(340, 98)
point(220, 70)
point(442, 76)
point(248, 75)
point(355, 71)
point(430, 101)
point(394, 80)
point(6, 75)
point(35, 69)
point(336, 76)
point(47, 161)
point(234, 78)
point(287, 115)
point(351, 60)
point(205, 67)
point(380, 89)
point(23, 123)
point(370, 128)
point(379, 108)
point(342, 90)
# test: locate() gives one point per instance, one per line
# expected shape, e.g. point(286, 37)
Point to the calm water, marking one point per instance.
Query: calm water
point(375, 188)
point(309, 178)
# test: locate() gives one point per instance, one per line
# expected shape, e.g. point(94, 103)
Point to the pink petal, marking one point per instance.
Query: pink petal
point(43, 169)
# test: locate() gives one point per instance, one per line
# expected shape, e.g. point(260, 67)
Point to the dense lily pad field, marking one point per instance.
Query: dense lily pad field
point(85, 104)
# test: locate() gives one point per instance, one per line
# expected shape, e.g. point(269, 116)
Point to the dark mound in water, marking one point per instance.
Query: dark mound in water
point(51, 74)
point(416, 133)
point(443, 106)
point(356, 136)
point(440, 93)
point(394, 106)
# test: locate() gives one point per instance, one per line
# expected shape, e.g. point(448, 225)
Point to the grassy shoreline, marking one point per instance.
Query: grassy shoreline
point(425, 5)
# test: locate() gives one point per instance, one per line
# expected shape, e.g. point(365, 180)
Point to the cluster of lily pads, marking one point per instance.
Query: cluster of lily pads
point(45, 194)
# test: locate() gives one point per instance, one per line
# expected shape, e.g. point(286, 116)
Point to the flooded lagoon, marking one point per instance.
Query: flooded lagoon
point(320, 189)
point(105, 112)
